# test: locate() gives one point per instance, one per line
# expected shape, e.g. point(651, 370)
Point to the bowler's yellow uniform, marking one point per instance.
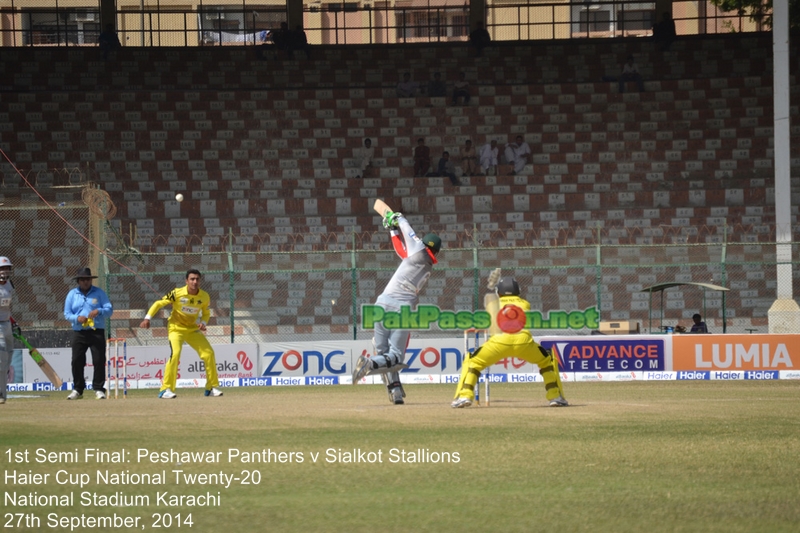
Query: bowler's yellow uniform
point(182, 326)
point(520, 345)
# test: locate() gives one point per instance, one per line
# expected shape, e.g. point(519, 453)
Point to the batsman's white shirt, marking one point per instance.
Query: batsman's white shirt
point(412, 274)
point(6, 293)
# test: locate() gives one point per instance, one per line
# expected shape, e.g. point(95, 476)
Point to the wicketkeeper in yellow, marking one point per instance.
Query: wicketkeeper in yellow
point(188, 304)
point(500, 345)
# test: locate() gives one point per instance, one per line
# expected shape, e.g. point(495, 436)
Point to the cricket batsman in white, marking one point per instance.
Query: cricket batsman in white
point(520, 345)
point(7, 324)
point(189, 304)
point(419, 256)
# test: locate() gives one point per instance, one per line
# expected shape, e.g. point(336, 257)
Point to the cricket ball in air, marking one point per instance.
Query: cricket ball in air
point(511, 319)
point(179, 197)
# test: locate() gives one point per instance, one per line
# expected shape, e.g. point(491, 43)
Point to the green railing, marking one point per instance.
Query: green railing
point(319, 294)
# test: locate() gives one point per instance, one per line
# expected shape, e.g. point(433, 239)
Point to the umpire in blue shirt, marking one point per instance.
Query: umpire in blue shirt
point(87, 307)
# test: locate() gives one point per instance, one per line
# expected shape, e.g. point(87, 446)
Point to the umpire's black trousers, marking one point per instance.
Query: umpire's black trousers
point(94, 340)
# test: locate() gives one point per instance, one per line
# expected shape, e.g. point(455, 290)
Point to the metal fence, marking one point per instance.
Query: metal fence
point(48, 23)
point(315, 291)
point(319, 294)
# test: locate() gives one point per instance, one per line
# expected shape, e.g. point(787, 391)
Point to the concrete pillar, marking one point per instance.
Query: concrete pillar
point(294, 15)
point(477, 9)
point(108, 14)
point(784, 315)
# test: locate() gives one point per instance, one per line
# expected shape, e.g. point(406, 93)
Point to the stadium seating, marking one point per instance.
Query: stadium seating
point(264, 154)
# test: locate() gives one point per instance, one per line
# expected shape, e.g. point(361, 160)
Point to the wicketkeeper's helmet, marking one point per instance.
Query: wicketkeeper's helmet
point(507, 287)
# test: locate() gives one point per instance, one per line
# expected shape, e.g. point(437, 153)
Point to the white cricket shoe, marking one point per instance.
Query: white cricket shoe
point(215, 392)
point(167, 394)
point(100, 395)
point(75, 395)
point(396, 395)
point(361, 368)
point(559, 402)
point(460, 403)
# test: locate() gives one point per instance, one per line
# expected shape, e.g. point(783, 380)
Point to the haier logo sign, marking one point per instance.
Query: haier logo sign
point(277, 363)
point(762, 374)
point(609, 355)
point(727, 376)
point(694, 375)
point(255, 382)
point(46, 386)
point(322, 380)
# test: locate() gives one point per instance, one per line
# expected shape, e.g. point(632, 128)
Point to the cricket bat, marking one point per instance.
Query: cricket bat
point(41, 361)
point(381, 208)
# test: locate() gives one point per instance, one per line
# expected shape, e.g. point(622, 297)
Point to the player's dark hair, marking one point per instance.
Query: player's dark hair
point(193, 271)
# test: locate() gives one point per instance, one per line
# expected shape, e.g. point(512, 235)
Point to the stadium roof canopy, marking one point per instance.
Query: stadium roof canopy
point(661, 287)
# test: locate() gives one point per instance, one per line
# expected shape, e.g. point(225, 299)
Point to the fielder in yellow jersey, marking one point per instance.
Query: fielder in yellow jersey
point(520, 345)
point(189, 304)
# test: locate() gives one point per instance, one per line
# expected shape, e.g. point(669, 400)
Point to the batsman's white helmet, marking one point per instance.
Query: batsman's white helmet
point(5, 268)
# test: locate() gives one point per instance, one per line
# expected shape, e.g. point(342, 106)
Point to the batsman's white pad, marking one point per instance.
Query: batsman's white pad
point(384, 370)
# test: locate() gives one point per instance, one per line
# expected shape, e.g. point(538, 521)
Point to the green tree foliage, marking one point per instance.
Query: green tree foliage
point(760, 11)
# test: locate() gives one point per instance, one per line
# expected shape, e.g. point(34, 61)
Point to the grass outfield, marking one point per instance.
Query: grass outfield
point(666, 456)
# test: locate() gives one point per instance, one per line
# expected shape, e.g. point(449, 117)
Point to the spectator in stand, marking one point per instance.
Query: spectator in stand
point(364, 157)
point(479, 38)
point(517, 154)
point(446, 168)
point(108, 41)
point(664, 32)
point(630, 72)
point(299, 41)
point(422, 159)
point(437, 87)
point(407, 88)
point(461, 89)
point(488, 157)
point(699, 326)
point(469, 159)
point(282, 39)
